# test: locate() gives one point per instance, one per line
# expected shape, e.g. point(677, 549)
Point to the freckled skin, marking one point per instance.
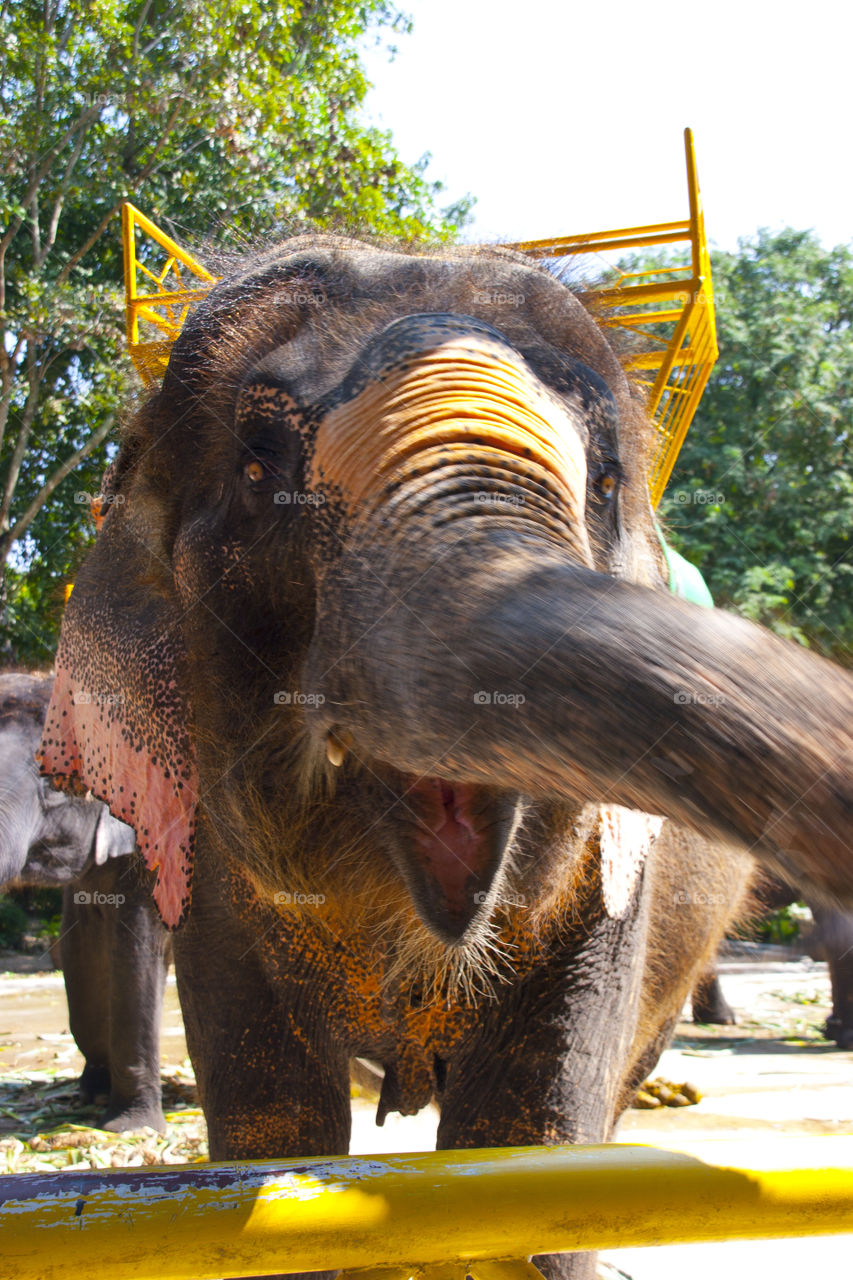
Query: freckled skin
point(365, 523)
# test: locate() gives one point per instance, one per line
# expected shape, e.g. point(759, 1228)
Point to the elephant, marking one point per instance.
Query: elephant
point(708, 1003)
point(830, 940)
point(113, 947)
point(375, 653)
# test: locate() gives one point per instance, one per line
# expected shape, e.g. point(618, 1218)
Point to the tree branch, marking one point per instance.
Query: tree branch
point(27, 419)
point(8, 385)
point(60, 196)
point(137, 30)
point(132, 188)
point(83, 121)
point(22, 524)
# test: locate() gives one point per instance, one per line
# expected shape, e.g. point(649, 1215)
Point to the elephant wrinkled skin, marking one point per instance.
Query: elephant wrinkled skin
point(376, 656)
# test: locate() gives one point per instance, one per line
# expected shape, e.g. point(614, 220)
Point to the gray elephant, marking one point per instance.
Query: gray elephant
point(376, 655)
point(113, 947)
point(831, 940)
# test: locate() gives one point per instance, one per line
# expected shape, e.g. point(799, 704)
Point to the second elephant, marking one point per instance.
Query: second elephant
point(113, 947)
point(830, 940)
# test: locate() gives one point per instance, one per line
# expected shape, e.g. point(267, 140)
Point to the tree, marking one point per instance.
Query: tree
point(236, 117)
point(762, 495)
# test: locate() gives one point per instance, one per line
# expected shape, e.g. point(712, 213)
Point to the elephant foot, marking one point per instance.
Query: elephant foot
point(567, 1266)
point(94, 1084)
point(709, 1005)
point(133, 1114)
point(720, 1015)
point(297, 1275)
point(834, 1029)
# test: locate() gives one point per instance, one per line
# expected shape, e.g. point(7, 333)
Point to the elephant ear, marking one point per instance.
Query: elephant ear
point(625, 837)
point(118, 721)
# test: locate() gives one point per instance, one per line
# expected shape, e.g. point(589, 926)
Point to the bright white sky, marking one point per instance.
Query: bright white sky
point(566, 119)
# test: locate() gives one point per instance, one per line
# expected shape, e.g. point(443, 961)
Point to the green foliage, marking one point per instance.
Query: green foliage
point(230, 120)
point(781, 926)
point(761, 499)
point(13, 923)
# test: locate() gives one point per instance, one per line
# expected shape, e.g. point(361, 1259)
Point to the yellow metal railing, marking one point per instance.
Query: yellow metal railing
point(669, 312)
point(165, 308)
point(440, 1215)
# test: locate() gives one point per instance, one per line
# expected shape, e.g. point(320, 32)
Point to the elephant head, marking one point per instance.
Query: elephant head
point(46, 837)
point(384, 567)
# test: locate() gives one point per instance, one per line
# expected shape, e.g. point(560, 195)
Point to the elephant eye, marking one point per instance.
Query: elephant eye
point(260, 470)
point(606, 482)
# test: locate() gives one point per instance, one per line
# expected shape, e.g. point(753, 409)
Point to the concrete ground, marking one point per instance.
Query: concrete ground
point(769, 1076)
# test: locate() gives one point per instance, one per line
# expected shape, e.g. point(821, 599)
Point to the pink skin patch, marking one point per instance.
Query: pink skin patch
point(451, 851)
point(89, 744)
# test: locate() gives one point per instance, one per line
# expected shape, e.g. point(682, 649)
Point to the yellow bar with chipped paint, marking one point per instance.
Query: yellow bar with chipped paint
point(226, 1220)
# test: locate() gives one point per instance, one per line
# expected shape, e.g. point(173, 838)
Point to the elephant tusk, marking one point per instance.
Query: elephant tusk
point(337, 746)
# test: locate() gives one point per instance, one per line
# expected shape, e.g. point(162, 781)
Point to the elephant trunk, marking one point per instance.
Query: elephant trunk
point(493, 657)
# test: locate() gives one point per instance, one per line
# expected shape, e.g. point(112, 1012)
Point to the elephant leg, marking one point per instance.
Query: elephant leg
point(270, 1081)
point(137, 944)
point(549, 1063)
point(85, 969)
point(833, 942)
point(840, 1025)
point(709, 1003)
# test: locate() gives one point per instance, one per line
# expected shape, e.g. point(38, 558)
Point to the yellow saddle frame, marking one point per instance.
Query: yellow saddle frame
point(668, 310)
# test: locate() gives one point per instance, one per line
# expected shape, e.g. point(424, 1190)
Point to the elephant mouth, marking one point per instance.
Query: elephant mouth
point(456, 842)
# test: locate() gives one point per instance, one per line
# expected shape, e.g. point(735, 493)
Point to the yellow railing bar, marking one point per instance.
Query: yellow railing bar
point(441, 1209)
point(648, 317)
point(180, 297)
point(141, 306)
point(685, 287)
point(682, 361)
point(598, 241)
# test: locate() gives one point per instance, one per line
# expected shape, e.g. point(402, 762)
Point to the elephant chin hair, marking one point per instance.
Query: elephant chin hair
point(378, 904)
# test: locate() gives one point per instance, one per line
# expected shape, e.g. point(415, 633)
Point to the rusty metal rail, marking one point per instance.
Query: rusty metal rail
point(459, 1211)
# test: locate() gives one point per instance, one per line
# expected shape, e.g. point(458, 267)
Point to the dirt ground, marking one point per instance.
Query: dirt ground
point(772, 1074)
